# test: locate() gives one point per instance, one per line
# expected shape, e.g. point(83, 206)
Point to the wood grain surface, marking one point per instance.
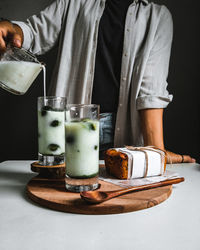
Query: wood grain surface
point(51, 193)
point(55, 171)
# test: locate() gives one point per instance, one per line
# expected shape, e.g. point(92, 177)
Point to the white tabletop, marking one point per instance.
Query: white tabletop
point(24, 225)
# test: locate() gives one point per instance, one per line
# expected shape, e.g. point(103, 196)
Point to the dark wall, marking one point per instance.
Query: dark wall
point(18, 116)
point(182, 121)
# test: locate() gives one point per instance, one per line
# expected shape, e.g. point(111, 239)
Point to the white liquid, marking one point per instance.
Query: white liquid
point(82, 148)
point(44, 80)
point(51, 132)
point(18, 76)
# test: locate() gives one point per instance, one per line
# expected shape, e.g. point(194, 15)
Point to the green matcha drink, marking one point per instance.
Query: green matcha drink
point(82, 147)
point(51, 130)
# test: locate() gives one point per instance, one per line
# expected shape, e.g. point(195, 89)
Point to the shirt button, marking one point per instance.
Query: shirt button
point(125, 54)
point(128, 30)
point(120, 104)
point(124, 78)
point(118, 129)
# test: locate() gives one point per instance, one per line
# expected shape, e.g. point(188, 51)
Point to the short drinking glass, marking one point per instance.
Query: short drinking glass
point(82, 147)
point(51, 130)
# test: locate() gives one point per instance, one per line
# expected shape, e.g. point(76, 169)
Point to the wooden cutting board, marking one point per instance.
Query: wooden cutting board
point(51, 193)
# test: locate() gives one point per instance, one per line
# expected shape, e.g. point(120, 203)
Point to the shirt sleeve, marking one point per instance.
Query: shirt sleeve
point(41, 31)
point(153, 91)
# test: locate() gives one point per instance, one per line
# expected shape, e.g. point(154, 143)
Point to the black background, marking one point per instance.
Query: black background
point(18, 116)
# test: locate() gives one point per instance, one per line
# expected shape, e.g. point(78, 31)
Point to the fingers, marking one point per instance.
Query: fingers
point(2, 45)
point(188, 159)
point(17, 40)
point(177, 158)
point(4, 28)
point(9, 34)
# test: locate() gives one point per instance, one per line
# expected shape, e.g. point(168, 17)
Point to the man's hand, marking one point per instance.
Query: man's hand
point(152, 129)
point(10, 33)
point(176, 158)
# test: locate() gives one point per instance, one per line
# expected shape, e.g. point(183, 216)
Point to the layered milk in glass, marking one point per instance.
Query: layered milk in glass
point(51, 131)
point(82, 147)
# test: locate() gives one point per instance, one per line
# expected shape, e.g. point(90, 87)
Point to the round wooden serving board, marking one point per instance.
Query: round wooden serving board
point(51, 193)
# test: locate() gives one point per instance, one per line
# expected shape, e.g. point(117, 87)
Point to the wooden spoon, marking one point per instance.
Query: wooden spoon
point(96, 197)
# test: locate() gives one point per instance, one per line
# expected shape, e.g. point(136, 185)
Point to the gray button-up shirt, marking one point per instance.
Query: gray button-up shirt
point(73, 25)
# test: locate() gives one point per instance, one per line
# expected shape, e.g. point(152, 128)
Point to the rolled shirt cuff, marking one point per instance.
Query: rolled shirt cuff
point(147, 102)
point(27, 34)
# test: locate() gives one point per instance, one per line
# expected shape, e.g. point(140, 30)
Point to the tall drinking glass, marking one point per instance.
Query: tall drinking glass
point(82, 147)
point(51, 130)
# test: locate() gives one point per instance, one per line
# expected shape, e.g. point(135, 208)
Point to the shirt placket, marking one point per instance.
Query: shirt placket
point(125, 75)
point(94, 48)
